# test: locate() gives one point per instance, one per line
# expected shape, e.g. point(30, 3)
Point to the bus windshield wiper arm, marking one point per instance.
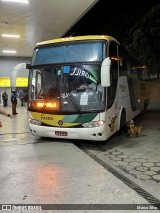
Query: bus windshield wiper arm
point(73, 102)
point(71, 98)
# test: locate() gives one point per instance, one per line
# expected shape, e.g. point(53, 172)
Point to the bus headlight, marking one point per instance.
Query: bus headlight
point(93, 124)
point(35, 122)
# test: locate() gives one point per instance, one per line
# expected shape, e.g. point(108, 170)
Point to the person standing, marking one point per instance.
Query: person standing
point(5, 99)
point(14, 103)
point(21, 97)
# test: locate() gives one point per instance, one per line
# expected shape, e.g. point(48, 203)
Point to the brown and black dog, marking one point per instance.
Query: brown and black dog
point(133, 130)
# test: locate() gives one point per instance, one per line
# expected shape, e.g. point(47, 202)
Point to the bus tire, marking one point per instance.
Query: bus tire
point(122, 123)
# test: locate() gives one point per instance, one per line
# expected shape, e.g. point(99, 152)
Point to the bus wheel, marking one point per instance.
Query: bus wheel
point(122, 123)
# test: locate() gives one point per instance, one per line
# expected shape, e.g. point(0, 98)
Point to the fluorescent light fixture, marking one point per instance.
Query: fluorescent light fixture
point(9, 51)
point(18, 1)
point(10, 36)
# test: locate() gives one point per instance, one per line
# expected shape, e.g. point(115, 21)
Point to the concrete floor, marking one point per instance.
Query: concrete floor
point(50, 171)
point(138, 158)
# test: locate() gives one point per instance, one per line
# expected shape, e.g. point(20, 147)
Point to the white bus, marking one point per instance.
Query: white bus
point(85, 87)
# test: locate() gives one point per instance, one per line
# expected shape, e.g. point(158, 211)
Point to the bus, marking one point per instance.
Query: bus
point(84, 88)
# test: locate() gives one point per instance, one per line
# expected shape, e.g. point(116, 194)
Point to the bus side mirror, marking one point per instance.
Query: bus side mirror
point(15, 71)
point(105, 72)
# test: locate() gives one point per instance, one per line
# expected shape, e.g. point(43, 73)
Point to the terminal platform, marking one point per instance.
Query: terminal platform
point(39, 171)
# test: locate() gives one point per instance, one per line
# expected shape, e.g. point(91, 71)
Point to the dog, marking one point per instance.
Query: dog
point(133, 130)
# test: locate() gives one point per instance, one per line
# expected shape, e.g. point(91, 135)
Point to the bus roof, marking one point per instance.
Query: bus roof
point(78, 38)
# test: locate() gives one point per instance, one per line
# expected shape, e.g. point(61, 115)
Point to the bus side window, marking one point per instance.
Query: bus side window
point(111, 91)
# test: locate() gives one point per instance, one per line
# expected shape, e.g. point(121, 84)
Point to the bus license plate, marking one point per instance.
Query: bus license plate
point(60, 133)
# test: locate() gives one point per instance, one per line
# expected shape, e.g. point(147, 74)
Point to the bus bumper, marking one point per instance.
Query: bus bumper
point(96, 134)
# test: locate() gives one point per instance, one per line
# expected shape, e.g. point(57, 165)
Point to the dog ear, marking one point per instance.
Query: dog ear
point(131, 122)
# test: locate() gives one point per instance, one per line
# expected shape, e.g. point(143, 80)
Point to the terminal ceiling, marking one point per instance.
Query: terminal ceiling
point(37, 21)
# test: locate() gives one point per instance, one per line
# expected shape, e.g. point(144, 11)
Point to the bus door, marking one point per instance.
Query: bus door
point(112, 104)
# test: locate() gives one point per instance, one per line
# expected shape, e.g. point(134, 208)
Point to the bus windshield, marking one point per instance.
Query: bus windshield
point(90, 51)
point(69, 73)
point(76, 88)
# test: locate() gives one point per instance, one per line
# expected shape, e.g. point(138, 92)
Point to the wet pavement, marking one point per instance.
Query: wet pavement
point(40, 170)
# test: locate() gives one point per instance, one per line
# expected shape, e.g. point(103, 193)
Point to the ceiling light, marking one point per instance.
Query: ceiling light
point(18, 1)
point(10, 36)
point(9, 51)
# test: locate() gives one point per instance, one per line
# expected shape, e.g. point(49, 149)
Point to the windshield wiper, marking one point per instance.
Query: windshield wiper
point(73, 102)
point(71, 98)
